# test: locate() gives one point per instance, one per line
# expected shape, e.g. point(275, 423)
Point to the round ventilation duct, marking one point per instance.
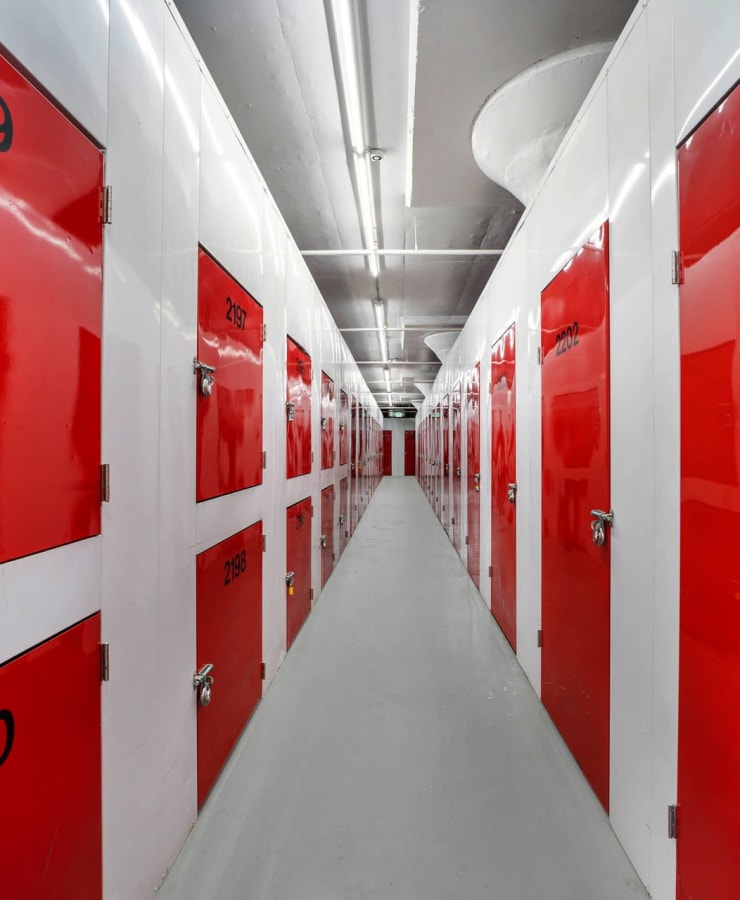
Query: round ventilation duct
point(441, 343)
point(522, 124)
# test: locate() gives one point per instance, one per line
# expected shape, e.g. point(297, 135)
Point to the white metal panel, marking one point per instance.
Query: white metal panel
point(665, 354)
point(131, 423)
point(631, 339)
point(707, 57)
point(66, 53)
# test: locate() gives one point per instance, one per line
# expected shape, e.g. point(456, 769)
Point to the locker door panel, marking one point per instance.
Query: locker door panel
point(327, 421)
point(342, 515)
point(229, 419)
point(387, 453)
point(298, 417)
point(343, 427)
point(503, 484)
point(409, 453)
point(446, 498)
point(575, 480)
point(456, 475)
point(708, 865)
point(353, 486)
point(50, 769)
point(51, 180)
point(298, 540)
point(229, 637)
point(327, 534)
point(473, 474)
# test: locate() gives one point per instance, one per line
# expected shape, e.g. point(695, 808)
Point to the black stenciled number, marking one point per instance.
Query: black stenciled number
point(234, 567)
point(6, 716)
point(6, 127)
point(235, 313)
point(567, 339)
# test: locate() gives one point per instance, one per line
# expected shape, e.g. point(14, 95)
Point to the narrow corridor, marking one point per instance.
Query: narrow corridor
point(400, 751)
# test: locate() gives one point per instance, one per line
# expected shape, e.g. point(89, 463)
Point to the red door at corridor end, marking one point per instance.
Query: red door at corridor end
point(708, 833)
point(51, 182)
point(472, 537)
point(229, 640)
point(50, 769)
point(503, 483)
point(229, 375)
point(576, 514)
point(298, 411)
point(409, 452)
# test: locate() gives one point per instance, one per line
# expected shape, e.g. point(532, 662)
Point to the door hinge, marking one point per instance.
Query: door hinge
point(264, 542)
point(264, 332)
point(467, 539)
point(539, 356)
point(104, 662)
point(263, 672)
point(311, 511)
point(106, 205)
point(264, 459)
point(312, 456)
point(334, 557)
point(453, 520)
point(677, 267)
point(311, 594)
point(105, 483)
point(490, 571)
point(539, 637)
point(673, 822)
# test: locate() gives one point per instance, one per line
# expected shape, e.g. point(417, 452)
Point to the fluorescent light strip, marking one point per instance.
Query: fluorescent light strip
point(380, 323)
point(413, 50)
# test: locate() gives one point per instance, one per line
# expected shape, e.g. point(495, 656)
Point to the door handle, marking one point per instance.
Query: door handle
point(598, 526)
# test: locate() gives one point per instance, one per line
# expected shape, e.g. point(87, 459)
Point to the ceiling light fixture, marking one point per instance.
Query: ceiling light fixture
point(380, 324)
point(351, 71)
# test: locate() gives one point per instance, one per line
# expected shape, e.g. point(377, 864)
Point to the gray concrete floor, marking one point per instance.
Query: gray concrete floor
point(400, 751)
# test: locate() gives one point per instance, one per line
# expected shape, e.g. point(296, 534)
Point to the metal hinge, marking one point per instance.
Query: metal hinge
point(673, 822)
point(264, 459)
point(312, 511)
point(467, 540)
point(312, 593)
point(539, 356)
point(104, 662)
point(263, 671)
point(539, 637)
point(264, 543)
point(490, 571)
point(490, 387)
point(106, 205)
point(677, 267)
point(264, 332)
point(453, 520)
point(105, 483)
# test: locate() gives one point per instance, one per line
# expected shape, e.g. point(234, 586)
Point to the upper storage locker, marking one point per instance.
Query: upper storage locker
point(298, 411)
point(51, 181)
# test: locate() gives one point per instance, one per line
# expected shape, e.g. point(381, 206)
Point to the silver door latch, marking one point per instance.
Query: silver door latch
point(598, 526)
point(203, 682)
point(476, 481)
point(323, 542)
point(207, 376)
point(511, 490)
point(290, 410)
point(458, 471)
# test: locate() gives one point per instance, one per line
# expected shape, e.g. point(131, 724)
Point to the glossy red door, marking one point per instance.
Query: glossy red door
point(342, 514)
point(709, 643)
point(473, 473)
point(229, 419)
point(575, 480)
point(446, 499)
point(503, 483)
point(409, 452)
point(344, 422)
point(327, 421)
point(387, 453)
point(50, 769)
point(228, 615)
point(456, 523)
point(298, 567)
point(327, 533)
point(298, 412)
point(51, 180)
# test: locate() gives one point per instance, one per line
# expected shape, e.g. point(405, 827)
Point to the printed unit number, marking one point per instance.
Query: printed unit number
point(6, 127)
point(567, 339)
point(236, 314)
point(6, 717)
point(234, 567)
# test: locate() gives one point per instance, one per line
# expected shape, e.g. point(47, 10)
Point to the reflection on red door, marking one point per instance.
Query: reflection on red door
point(456, 523)
point(503, 483)
point(409, 452)
point(575, 480)
point(50, 769)
point(327, 421)
point(387, 453)
point(229, 637)
point(229, 444)
point(709, 659)
point(342, 514)
point(327, 533)
point(298, 412)
point(298, 567)
point(51, 180)
point(473, 474)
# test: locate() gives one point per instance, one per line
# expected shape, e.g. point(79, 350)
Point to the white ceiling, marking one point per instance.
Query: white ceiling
point(272, 60)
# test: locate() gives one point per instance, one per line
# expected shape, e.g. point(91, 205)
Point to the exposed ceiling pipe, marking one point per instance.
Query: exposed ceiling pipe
point(382, 251)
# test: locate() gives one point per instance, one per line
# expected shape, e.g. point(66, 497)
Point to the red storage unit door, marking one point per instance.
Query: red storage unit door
point(446, 482)
point(503, 483)
point(387, 453)
point(709, 640)
point(228, 637)
point(298, 567)
point(354, 489)
point(327, 533)
point(473, 474)
point(342, 515)
point(575, 481)
point(51, 180)
point(343, 427)
point(409, 452)
point(298, 411)
point(229, 411)
point(456, 524)
point(327, 421)
point(50, 769)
